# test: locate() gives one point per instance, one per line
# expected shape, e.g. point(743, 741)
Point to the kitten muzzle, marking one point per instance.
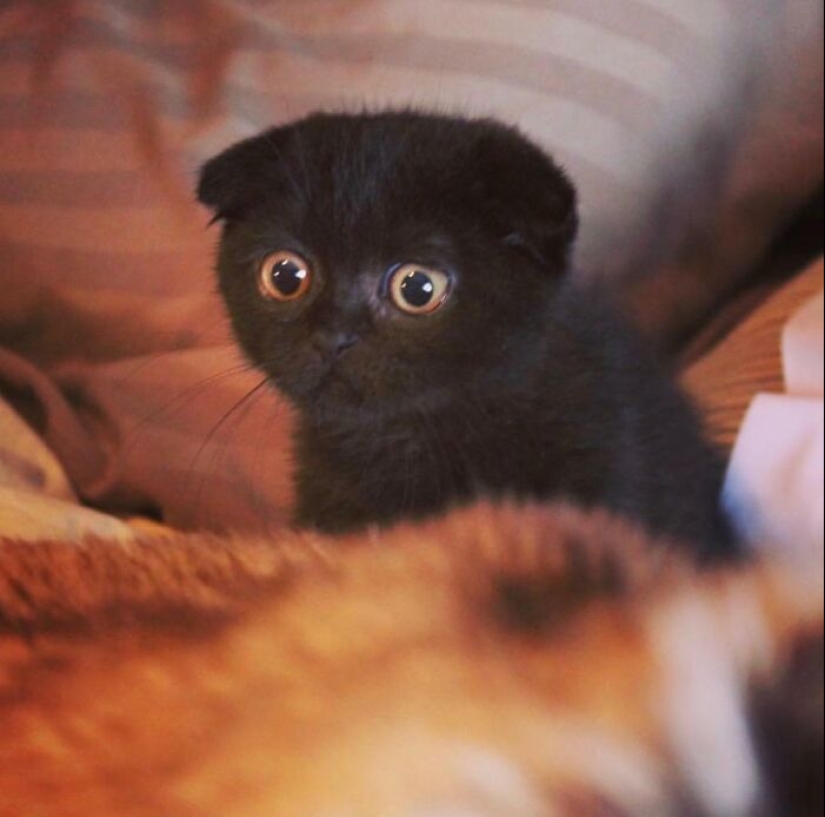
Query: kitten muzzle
point(335, 345)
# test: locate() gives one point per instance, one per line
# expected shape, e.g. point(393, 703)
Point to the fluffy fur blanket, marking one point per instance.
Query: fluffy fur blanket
point(500, 662)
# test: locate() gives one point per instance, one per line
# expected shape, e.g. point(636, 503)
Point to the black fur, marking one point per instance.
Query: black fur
point(520, 386)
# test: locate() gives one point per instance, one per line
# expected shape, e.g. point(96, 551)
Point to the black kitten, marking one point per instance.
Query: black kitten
point(403, 278)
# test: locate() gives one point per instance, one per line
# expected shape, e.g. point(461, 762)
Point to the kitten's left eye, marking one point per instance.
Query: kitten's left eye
point(419, 290)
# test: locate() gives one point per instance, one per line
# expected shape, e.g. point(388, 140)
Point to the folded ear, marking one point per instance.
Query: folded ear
point(237, 179)
point(533, 201)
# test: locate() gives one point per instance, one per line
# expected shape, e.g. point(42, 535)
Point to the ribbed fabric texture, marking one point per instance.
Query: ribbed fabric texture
point(107, 108)
point(749, 361)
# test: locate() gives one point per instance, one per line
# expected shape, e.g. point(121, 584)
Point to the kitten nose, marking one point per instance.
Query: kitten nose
point(343, 342)
point(336, 343)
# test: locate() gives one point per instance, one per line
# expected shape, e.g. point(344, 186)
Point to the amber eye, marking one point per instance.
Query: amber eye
point(419, 290)
point(285, 276)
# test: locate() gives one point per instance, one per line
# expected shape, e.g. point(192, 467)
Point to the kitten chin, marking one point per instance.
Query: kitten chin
point(404, 278)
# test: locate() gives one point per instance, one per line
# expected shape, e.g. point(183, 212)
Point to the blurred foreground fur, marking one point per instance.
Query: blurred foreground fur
point(521, 663)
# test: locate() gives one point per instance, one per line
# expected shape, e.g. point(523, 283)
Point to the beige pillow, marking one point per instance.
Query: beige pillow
point(36, 501)
point(26, 464)
point(32, 517)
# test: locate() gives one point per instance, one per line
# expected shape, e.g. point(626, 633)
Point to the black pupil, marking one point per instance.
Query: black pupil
point(418, 289)
point(288, 277)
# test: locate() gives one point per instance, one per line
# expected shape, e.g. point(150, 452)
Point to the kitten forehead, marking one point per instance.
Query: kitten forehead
point(367, 179)
point(372, 174)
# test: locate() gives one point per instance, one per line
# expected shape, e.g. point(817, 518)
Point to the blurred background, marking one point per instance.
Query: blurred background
point(693, 129)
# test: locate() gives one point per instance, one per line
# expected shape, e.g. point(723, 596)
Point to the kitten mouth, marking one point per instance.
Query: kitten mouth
point(311, 385)
point(335, 383)
point(336, 376)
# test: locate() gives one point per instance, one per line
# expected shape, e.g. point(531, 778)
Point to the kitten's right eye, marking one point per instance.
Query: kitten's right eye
point(285, 276)
point(418, 290)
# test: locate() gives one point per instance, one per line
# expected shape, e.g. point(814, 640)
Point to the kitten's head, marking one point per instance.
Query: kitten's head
point(376, 260)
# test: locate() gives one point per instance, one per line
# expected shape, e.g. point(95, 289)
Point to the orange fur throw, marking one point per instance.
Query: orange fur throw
point(503, 661)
